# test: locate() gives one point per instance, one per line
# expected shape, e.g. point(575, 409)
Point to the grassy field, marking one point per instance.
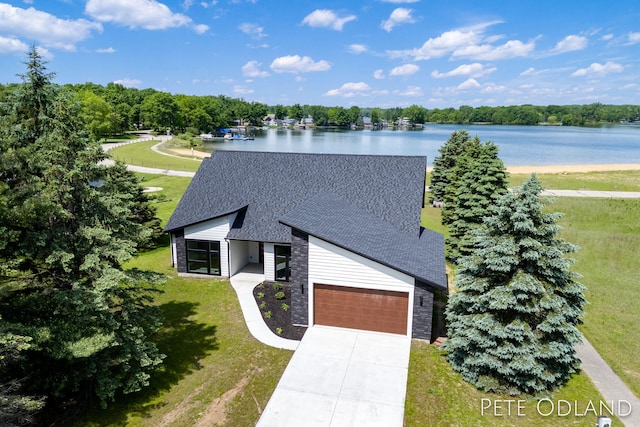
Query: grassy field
point(437, 396)
point(608, 233)
point(598, 181)
point(140, 154)
point(216, 373)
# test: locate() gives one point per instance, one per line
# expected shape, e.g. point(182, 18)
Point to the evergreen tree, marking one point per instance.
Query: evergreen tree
point(443, 165)
point(481, 178)
point(67, 227)
point(512, 322)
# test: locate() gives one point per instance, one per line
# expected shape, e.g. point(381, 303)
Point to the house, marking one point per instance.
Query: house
point(344, 230)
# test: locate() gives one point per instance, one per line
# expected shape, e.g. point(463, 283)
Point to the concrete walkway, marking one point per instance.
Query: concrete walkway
point(609, 384)
point(243, 283)
point(342, 378)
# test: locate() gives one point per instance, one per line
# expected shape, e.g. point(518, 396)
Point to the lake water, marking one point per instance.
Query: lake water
point(519, 145)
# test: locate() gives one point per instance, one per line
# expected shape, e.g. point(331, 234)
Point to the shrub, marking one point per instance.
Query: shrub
point(285, 306)
point(280, 295)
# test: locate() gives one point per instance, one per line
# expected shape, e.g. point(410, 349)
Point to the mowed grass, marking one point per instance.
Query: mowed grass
point(595, 181)
point(438, 396)
point(214, 369)
point(608, 233)
point(213, 364)
point(140, 154)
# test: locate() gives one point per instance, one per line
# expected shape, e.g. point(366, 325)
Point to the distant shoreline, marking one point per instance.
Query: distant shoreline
point(510, 169)
point(573, 168)
point(569, 168)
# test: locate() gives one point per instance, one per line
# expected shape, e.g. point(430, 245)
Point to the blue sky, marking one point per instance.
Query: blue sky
point(378, 53)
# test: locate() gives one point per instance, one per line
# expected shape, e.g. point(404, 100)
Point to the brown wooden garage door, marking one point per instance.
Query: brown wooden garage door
point(368, 309)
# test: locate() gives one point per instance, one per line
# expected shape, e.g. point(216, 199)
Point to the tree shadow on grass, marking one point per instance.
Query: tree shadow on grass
point(184, 342)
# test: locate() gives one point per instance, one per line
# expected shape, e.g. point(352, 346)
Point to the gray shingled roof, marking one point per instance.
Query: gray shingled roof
point(336, 221)
point(269, 185)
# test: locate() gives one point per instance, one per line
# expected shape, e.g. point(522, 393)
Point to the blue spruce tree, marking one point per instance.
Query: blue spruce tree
point(512, 321)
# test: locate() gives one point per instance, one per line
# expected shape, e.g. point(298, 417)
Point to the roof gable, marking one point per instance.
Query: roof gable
point(335, 220)
point(269, 185)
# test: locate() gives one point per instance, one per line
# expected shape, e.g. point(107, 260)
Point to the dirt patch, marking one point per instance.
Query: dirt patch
point(216, 412)
point(274, 302)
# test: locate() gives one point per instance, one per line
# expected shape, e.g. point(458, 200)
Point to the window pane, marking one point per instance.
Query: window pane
point(197, 244)
point(282, 258)
point(197, 256)
point(214, 263)
point(197, 267)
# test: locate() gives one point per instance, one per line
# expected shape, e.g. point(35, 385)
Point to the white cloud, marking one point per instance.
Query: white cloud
point(325, 18)
point(491, 88)
point(253, 30)
point(12, 45)
point(378, 74)
point(404, 70)
point(486, 52)
point(633, 38)
point(357, 48)
point(106, 50)
point(200, 28)
point(607, 37)
point(410, 91)
point(528, 72)
point(473, 70)
point(44, 28)
point(442, 45)
point(127, 82)
point(252, 69)
point(598, 70)
point(147, 14)
point(569, 44)
point(242, 90)
point(298, 64)
point(399, 16)
point(349, 90)
point(469, 84)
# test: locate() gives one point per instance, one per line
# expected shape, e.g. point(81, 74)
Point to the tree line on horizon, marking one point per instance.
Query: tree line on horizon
point(114, 109)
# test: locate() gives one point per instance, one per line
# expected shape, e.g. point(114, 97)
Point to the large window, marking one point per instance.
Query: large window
point(283, 258)
point(203, 257)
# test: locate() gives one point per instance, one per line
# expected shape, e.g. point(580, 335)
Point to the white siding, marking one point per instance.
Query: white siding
point(238, 254)
point(215, 229)
point(332, 265)
point(174, 255)
point(269, 262)
point(254, 252)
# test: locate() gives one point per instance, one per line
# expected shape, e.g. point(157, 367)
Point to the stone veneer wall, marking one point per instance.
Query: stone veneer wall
point(422, 313)
point(181, 251)
point(299, 277)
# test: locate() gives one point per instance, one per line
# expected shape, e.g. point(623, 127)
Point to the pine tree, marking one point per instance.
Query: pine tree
point(68, 227)
point(481, 178)
point(512, 321)
point(443, 165)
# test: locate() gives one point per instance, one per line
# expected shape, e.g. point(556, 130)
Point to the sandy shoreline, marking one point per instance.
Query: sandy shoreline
point(573, 168)
point(511, 169)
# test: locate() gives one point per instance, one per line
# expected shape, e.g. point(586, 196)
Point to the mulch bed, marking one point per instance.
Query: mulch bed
point(274, 301)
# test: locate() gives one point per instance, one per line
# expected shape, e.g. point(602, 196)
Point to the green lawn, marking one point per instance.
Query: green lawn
point(599, 181)
point(608, 233)
point(212, 359)
point(140, 154)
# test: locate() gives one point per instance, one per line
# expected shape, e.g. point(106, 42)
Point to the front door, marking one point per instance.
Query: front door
point(283, 259)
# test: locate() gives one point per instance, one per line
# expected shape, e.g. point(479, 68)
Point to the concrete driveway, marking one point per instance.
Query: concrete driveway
point(342, 377)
